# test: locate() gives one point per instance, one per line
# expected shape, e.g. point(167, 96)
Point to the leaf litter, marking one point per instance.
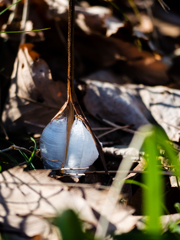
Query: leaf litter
point(123, 81)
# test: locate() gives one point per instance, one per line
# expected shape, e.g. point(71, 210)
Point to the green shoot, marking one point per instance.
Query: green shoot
point(9, 7)
point(33, 153)
point(115, 6)
point(135, 9)
point(28, 160)
point(11, 158)
point(142, 185)
point(36, 30)
point(153, 196)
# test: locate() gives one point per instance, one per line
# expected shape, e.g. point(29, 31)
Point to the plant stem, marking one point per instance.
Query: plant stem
point(70, 88)
point(72, 101)
point(70, 78)
point(24, 20)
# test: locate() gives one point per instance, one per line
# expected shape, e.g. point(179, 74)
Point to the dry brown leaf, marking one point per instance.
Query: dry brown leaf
point(102, 40)
point(31, 79)
point(28, 198)
point(92, 20)
point(5, 2)
point(120, 104)
point(56, 8)
point(140, 65)
point(121, 219)
point(135, 104)
point(164, 105)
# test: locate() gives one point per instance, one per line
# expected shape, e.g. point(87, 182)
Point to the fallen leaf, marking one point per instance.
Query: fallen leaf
point(33, 95)
point(118, 104)
point(164, 105)
point(29, 198)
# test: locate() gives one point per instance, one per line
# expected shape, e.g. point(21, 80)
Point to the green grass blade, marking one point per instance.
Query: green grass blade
point(164, 142)
point(115, 6)
point(142, 185)
point(153, 197)
point(9, 7)
point(28, 161)
point(36, 30)
point(11, 158)
point(135, 9)
point(33, 153)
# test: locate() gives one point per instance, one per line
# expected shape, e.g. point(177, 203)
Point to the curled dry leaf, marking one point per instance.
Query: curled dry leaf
point(33, 95)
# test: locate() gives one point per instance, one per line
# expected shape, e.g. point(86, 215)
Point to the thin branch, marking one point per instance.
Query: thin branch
point(130, 171)
point(6, 150)
point(117, 126)
point(112, 130)
point(101, 128)
point(14, 147)
point(35, 124)
point(178, 128)
point(35, 102)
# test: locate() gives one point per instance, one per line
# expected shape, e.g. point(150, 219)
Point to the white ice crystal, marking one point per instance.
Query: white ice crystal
point(82, 151)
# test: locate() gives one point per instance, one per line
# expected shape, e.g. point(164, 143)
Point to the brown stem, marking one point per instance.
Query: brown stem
point(70, 88)
point(71, 95)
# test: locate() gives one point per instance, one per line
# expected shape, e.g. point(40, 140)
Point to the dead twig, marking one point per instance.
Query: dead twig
point(112, 130)
point(118, 126)
point(38, 103)
point(35, 124)
point(101, 128)
point(130, 171)
point(178, 128)
point(14, 147)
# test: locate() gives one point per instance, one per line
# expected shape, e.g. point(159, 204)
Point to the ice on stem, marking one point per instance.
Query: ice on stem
point(82, 151)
